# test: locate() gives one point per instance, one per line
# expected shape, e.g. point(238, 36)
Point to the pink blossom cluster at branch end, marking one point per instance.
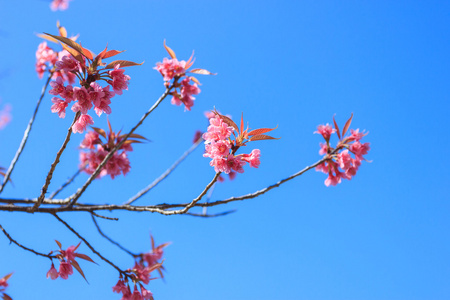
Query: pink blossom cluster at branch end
point(98, 149)
point(173, 69)
point(339, 163)
point(67, 262)
point(140, 274)
point(222, 149)
point(59, 5)
point(81, 63)
point(3, 285)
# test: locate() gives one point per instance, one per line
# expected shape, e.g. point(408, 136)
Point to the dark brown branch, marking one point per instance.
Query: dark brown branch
point(26, 134)
point(89, 245)
point(54, 164)
point(165, 174)
point(111, 240)
point(104, 217)
point(23, 247)
point(80, 191)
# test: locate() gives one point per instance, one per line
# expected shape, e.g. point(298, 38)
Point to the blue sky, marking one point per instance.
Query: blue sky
point(382, 235)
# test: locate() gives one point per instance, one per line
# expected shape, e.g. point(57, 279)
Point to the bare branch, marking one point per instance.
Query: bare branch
point(54, 164)
point(104, 217)
point(165, 174)
point(23, 247)
point(80, 191)
point(111, 240)
point(26, 134)
point(71, 179)
point(89, 245)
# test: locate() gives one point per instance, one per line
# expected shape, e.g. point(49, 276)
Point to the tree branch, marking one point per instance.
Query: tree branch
point(23, 247)
point(165, 174)
point(25, 134)
point(54, 164)
point(73, 199)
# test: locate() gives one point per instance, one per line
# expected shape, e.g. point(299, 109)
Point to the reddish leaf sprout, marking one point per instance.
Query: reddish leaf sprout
point(3, 286)
point(140, 274)
point(98, 149)
point(339, 163)
point(172, 69)
point(67, 262)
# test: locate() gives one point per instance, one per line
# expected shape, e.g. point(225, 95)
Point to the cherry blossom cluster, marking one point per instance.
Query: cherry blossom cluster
point(140, 274)
point(59, 5)
point(97, 150)
point(46, 59)
point(184, 86)
point(67, 262)
point(339, 163)
point(222, 149)
point(3, 286)
point(80, 62)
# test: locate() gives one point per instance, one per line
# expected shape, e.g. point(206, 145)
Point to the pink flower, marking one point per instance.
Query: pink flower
point(235, 163)
point(344, 160)
point(59, 107)
point(69, 254)
point(67, 93)
point(45, 57)
point(218, 130)
point(84, 100)
point(252, 158)
point(332, 180)
point(146, 294)
point(3, 282)
point(59, 4)
point(136, 294)
point(65, 269)
point(197, 135)
point(170, 68)
point(52, 273)
point(359, 149)
point(119, 80)
point(67, 63)
point(325, 131)
point(120, 287)
point(57, 86)
point(81, 124)
point(90, 139)
point(187, 90)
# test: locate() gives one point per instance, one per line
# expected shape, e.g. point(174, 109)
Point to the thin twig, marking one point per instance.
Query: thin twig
point(80, 191)
point(25, 134)
point(89, 245)
point(23, 247)
point(71, 179)
point(165, 174)
point(111, 240)
point(104, 217)
point(54, 164)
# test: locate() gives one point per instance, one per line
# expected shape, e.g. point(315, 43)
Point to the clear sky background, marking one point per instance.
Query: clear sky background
point(382, 235)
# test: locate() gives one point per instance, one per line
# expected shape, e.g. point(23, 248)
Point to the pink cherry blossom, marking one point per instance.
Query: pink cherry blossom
point(59, 107)
point(325, 131)
point(170, 68)
point(252, 158)
point(81, 124)
point(146, 294)
point(119, 81)
point(46, 57)
point(68, 93)
point(52, 273)
point(90, 139)
point(84, 100)
point(65, 269)
point(59, 5)
point(120, 287)
point(57, 87)
point(67, 63)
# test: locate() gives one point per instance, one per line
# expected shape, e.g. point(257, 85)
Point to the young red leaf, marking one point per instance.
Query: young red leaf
point(195, 80)
point(170, 51)
point(7, 276)
point(132, 141)
point(59, 244)
point(6, 297)
point(77, 267)
point(88, 53)
point(85, 257)
point(48, 38)
point(347, 125)
point(122, 63)
point(70, 43)
point(261, 131)
point(74, 53)
point(189, 63)
point(202, 72)
point(99, 131)
point(112, 53)
point(77, 246)
point(137, 136)
point(62, 31)
point(242, 123)
point(337, 128)
point(101, 54)
point(228, 121)
point(261, 137)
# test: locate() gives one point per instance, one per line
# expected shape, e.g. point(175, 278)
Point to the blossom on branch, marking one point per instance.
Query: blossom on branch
point(98, 149)
point(3, 286)
point(222, 149)
point(173, 69)
point(59, 5)
point(339, 163)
